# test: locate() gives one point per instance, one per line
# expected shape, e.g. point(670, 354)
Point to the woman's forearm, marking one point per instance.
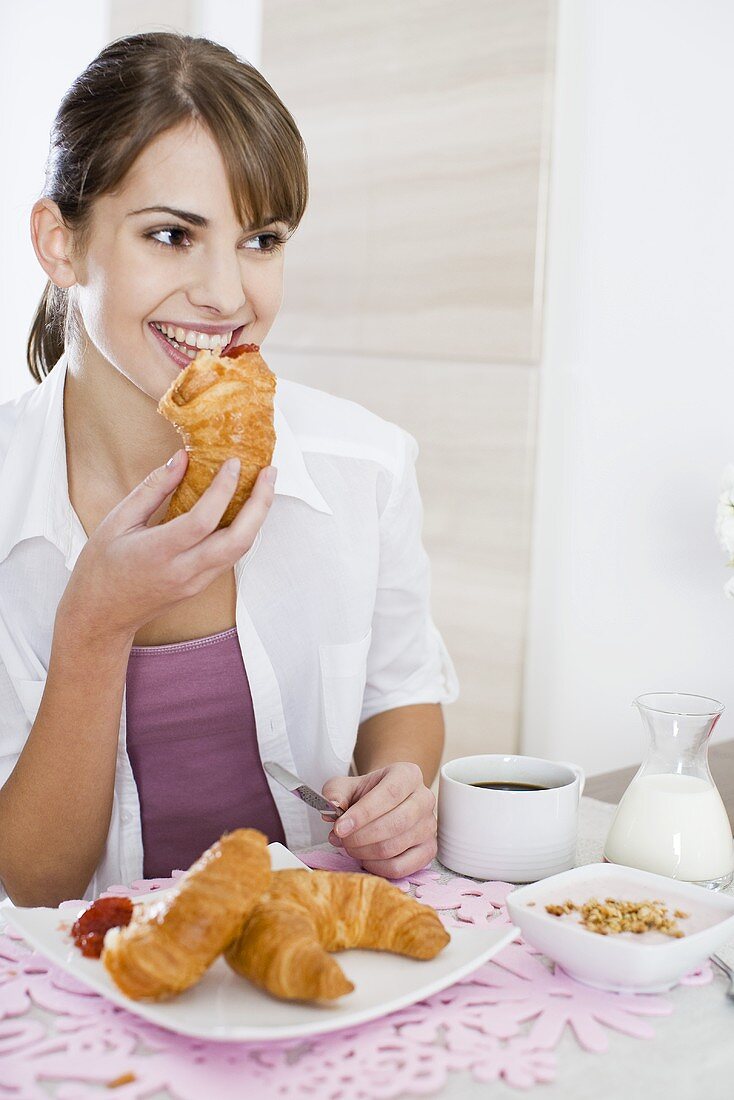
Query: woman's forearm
point(414, 733)
point(55, 806)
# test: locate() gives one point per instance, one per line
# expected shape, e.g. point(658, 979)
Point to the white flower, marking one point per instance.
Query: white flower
point(725, 514)
point(729, 588)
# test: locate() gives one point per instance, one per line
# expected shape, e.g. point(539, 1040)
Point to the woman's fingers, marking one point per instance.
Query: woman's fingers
point(421, 832)
point(398, 783)
point(187, 530)
point(195, 537)
point(407, 863)
point(409, 823)
point(138, 506)
point(129, 572)
point(391, 828)
point(230, 543)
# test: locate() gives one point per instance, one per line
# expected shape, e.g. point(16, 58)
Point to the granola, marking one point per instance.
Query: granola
point(615, 915)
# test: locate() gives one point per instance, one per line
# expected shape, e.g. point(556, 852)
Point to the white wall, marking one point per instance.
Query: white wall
point(51, 43)
point(237, 24)
point(637, 378)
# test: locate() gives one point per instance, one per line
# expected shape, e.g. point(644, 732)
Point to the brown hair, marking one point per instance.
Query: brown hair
point(134, 90)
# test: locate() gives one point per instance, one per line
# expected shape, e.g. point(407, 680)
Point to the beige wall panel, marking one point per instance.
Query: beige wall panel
point(475, 425)
point(426, 127)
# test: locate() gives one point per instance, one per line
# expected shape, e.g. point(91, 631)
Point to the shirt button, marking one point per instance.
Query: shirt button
point(126, 816)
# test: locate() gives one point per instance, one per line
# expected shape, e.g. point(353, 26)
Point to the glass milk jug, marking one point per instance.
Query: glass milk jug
point(671, 819)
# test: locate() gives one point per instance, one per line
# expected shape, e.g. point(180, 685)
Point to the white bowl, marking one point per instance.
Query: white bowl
point(644, 963)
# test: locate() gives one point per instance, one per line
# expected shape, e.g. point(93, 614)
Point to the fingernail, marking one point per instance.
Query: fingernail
point(232, 467)
point(270, 474)
point(173, 459)
point(344, 826)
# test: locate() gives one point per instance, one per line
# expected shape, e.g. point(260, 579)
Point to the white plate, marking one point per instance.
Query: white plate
point(622, 962)
point(227, 1007)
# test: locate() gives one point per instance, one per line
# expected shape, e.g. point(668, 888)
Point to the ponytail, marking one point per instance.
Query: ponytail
point(46, 337)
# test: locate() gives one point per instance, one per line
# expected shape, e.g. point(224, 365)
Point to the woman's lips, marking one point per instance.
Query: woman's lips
point(236, 334)
point(180, 358)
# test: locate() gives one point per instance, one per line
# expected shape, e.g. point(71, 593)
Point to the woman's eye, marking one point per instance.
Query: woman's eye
point(265, 242)
point(171, 237)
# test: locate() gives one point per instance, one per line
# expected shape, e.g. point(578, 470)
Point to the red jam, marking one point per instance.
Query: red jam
point(234, 353)
point(105, 913)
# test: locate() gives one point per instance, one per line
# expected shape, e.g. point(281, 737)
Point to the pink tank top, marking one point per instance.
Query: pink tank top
point(193, 748)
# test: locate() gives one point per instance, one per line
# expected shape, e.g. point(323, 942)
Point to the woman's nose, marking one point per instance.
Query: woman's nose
point(217, 285)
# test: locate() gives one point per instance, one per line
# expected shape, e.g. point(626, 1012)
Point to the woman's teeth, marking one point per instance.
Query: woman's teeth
point(190, 341)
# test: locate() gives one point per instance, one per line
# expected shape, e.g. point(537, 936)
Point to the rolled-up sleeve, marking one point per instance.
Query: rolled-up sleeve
point(407, 661)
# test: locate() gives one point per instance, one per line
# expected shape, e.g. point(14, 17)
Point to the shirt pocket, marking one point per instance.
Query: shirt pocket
point(343, 679)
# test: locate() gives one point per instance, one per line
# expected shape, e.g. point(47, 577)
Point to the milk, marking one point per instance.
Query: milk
point(673, 825)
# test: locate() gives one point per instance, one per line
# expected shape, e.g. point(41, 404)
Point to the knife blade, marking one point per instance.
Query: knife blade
point(302, 790)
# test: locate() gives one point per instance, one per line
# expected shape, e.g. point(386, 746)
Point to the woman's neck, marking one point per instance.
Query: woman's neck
point(114, 433)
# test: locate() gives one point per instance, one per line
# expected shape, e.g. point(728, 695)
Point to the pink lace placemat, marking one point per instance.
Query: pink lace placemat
point(503, 1021)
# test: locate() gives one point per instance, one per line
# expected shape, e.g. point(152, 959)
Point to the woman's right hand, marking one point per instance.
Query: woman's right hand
point(128, 573)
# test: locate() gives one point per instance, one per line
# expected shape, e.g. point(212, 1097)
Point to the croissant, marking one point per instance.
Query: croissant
point(223, 407)
point(167, 946)
point(284, 944)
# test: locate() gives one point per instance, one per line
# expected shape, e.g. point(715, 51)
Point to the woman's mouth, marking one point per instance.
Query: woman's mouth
point(182, 345)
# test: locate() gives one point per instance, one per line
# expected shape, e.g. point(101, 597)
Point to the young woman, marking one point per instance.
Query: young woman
point(147, 669)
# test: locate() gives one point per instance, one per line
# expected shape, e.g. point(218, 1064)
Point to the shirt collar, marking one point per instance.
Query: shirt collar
point(34, 488)
point(293, 478)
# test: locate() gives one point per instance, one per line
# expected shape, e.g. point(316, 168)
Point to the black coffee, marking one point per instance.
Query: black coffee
point(510, 786)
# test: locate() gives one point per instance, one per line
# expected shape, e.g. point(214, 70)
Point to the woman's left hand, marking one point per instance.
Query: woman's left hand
point(390, 824)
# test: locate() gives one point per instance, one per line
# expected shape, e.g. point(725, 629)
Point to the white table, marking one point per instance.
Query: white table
point(691, 1056)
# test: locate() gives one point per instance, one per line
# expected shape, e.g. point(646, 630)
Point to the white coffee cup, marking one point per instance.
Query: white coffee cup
point(508, 835)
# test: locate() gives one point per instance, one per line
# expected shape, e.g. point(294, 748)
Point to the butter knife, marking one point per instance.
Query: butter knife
point(302, 790)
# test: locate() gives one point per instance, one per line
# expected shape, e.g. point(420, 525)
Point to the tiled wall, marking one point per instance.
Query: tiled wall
point(426, 130)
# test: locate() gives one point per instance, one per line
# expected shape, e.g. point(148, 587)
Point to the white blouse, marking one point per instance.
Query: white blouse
point(333, 613)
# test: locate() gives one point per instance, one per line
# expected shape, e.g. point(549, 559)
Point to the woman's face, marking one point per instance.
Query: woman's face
point(190, 270)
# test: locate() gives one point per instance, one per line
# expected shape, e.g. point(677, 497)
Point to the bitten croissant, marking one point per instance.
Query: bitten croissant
point(168, 945)
point(285, 943)
point(223, 408)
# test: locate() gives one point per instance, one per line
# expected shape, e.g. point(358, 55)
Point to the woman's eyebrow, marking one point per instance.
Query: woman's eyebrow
point(193, 219)
point(184, 215)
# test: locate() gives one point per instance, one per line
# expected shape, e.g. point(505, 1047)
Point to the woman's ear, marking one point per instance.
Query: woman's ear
point(52, 242)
